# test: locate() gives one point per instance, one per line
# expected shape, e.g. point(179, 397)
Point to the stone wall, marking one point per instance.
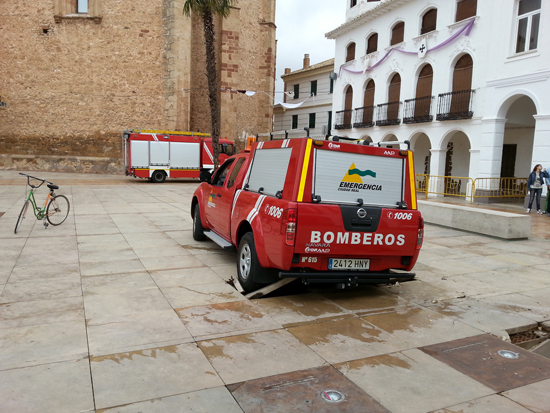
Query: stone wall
point(73, 83)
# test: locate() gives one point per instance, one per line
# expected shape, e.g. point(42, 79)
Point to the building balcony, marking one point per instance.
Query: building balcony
point(418, 110)
point(455, 105)
point(343, 119)
point(364, 117)
point(388, 114)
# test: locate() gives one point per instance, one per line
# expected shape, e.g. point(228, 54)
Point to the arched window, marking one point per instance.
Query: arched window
point(372, 43)
point(348, 105)
point(462, 76)
point(465, 9)
point(397, 33)
point(424, 93)
point(350, 52)
point(462, 85)
point(394, 93)
point(368, 104)
point(429, 21)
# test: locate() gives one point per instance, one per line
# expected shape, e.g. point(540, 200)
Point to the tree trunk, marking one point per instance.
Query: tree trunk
point(212, 74)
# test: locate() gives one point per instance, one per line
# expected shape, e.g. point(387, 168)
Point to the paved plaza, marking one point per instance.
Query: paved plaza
point(120, 310)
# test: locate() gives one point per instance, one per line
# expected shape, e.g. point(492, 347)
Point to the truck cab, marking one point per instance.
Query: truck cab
point(319, 210)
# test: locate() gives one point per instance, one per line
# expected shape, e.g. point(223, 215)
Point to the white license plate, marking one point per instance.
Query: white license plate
point(348, 264)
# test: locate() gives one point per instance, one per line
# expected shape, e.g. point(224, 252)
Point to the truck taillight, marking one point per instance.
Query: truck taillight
point(288, 226)
point(420, 233)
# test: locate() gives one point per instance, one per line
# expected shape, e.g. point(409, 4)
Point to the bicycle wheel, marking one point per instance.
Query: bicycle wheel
point(57, 210)
point(21, 216)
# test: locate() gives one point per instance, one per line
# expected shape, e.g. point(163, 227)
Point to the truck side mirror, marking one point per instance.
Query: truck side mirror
point(205, 176)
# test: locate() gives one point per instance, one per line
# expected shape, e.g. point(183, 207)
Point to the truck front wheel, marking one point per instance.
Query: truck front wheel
point(158, 177)
point(247, 264)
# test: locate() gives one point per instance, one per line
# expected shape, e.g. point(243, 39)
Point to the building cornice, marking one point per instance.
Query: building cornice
point(540, 76)
point(383, 8)
point(326, 66)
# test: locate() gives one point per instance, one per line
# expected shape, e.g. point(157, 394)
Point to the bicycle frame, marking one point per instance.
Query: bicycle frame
point(39, 213)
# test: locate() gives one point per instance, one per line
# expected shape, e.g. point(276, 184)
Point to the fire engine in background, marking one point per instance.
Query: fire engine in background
point(159, 154)
point(325, 211)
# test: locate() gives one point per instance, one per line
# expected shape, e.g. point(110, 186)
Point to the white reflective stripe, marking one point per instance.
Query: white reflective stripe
point(235, 201)
point(258, 209)
point(260, 145)
point(154, 137)
point(254, 211)
point(209, 153)
point(285, 143)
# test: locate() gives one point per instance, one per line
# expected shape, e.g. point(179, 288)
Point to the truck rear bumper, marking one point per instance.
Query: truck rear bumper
point(359, 277)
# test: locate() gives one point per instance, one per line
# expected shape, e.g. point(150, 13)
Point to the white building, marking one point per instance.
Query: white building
point(466, 82)
point(308, 100)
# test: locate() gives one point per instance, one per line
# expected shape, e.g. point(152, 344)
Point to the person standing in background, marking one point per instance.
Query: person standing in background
point(536, 180)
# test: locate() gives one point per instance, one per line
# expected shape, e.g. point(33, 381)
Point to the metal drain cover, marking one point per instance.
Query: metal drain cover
point(332, 396)
point(508, 354)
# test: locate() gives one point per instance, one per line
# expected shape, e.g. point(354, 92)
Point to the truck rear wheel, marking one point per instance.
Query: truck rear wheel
point(198, 229)
point(248, 265)
point(158, 177)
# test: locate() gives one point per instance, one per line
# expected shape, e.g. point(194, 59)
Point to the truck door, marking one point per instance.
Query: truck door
point(220, 202)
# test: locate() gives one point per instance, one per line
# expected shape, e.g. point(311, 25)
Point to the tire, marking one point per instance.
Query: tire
point(248, 265)
point(21, 216)
point(58, 210)
point(198, 229)
point(158, 177)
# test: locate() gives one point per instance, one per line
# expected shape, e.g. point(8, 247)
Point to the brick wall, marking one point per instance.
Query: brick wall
point(73, 84)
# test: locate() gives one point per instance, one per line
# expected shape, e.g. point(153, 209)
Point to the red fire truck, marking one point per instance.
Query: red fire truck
point(324, 211)
point(159, 154)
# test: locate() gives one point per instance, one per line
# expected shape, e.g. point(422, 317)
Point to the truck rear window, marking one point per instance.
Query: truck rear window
point(268, 170)
point(343, 177)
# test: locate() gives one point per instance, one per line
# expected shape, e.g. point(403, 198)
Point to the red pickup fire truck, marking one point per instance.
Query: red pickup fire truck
point(158, 154)
point(325, 211)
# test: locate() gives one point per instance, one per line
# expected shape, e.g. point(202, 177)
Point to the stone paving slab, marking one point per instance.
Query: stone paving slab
point(123, 287)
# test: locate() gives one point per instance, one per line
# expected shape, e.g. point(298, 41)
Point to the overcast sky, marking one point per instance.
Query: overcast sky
point(301, 28)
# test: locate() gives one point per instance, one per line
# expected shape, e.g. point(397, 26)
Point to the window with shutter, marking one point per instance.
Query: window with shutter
point(296, 91)
point(368, 102)
point(312, 120)
point(372, 43)
point(394, 94)
point(429, 21)
point(465, 9)
point(350, 53)
point(424, 92)
point(348, 105)
point(314, 87)
point(353, 3)
point(397, 33)
point(294, 121)
point(462, 85)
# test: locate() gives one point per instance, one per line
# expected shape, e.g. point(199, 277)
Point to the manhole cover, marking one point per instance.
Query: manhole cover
point(332, 396)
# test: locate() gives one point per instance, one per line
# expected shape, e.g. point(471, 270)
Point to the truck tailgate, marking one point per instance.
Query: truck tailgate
point(353, 231)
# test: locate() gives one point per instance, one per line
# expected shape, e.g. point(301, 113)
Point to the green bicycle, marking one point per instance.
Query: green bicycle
point(56, 208)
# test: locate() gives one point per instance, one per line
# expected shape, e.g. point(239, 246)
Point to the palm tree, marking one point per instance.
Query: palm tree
point(207, 9)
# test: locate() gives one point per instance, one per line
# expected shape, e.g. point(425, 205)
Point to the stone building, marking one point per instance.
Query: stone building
point(465, 81)
point(76, 73)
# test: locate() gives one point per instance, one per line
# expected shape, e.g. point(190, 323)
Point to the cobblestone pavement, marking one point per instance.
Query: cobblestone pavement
point(119, 309)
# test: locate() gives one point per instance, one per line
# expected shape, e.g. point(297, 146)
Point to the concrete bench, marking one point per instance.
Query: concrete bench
point(498, 224)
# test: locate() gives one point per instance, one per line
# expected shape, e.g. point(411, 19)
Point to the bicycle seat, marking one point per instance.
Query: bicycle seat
point(53, 186)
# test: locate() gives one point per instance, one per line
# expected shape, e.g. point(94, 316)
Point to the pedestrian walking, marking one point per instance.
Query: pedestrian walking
point(535, 184)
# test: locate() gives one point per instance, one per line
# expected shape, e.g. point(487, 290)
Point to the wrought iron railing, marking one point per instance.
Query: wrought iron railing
point(364, 117)
point(388, 114)
point(343, 119)
point(455, 105)
point(418, 110)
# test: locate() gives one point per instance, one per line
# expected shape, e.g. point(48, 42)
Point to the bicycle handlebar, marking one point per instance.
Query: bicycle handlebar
point(38, 179)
